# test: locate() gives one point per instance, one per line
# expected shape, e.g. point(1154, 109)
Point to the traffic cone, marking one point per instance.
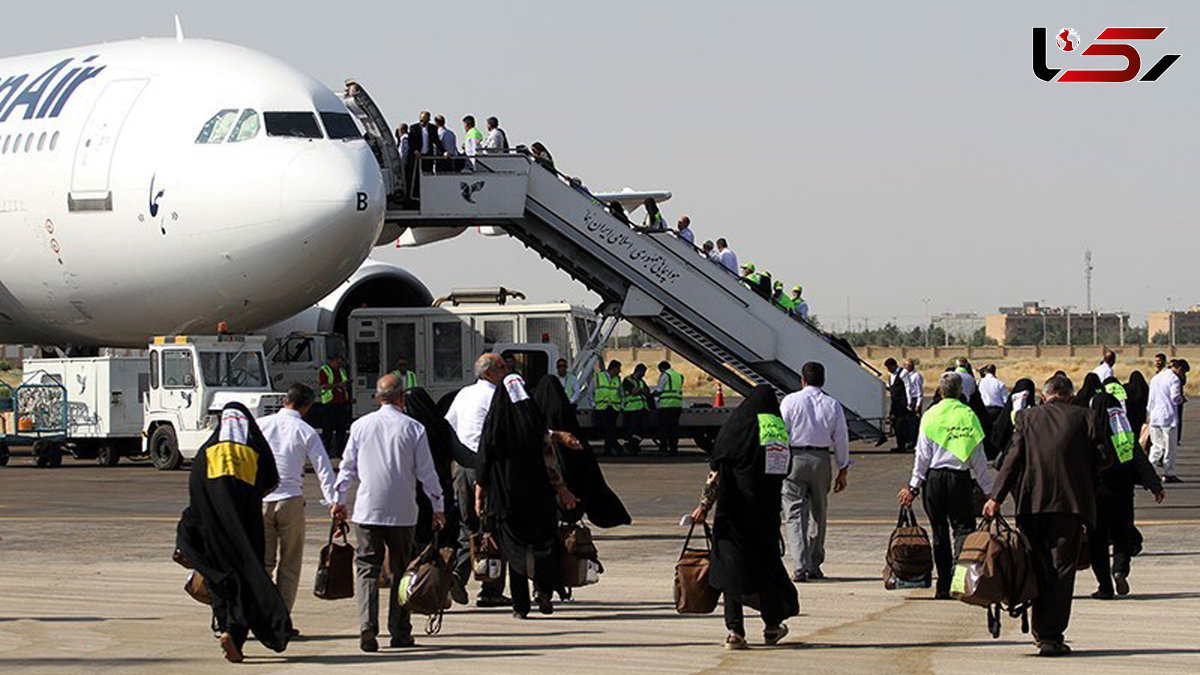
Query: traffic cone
point(719, 399)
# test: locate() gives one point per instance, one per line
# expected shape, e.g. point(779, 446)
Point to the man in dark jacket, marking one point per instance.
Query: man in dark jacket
point(1057, 450)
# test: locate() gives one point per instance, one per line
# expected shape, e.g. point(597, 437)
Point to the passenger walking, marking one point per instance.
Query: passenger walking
point(472, 137)
point(949, 449)
point(1166, 395)
point(334, 385)
point(607, 400)
point(635, 407)
point(916, 387)
point(899, 411)
point(466, 416)
point(1050, 471)
point(683, 230)
point(567, 380)
point(445, 448)
point(993, 393)
point(748, 465)
point(293, 443)
point(446, 137)
point(497, 140)
point(423, 143)
point(710, 252)
point(963, 367)
point(653, 220)
point(669, 394)
point(1183, 369)
point(1023, 395)
point(387, 454)
point(1114, 524)
point(726, 256)
point(801, 307)
point(402, 144)
point(520, 490)
point(1105, 369)
point(816, 425)
point(541, 155)
point(220, 534)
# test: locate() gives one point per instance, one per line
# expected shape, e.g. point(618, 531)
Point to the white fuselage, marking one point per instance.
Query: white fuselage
point(116, 224)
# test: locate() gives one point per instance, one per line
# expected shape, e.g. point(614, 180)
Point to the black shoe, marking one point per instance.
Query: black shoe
point(772, 636)
point(1053, 649)
point(367, 642)
point(401, 641)
point(1121, 581)
point(1172, 479)
point(1102, 594)
point(800, 576)
point(493, 601)
point(518, 614)
point(294, 634)
point(942, 595)
point(816, 574)
point(544, 603)
point(458, 591)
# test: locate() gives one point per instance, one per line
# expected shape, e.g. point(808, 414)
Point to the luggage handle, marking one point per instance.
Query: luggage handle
point(339, 528)
point(906, 518)
point(688, 539)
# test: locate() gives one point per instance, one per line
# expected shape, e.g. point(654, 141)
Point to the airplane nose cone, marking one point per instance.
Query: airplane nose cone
point(333, 203)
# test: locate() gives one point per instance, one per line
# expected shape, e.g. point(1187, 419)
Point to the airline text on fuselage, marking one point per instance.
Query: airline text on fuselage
point(47, 93)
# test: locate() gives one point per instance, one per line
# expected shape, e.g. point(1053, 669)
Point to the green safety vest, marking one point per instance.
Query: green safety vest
point(961, 369)
point(672, 393)
point(637, 400)
point(608, 392)
point(1122, 434)
point(475, 133)
point(953, 426)
point(786, 303)
point(327, 391)
point(753, 277)
point(409, 377)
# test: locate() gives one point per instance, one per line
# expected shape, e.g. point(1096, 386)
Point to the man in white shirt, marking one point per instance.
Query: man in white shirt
point(1105, 369)
point(949, 448)
point(446, 136)
point(292, 442)
point(816, 425)
point(684, 230)
point(963, 368)
point(993, 392)
point(566, 379)
point(726, 256)
point(904, 422)
point(497, 140)
point(466, 415)
point(916, 387)
point(1162, 414)
point(388, 452)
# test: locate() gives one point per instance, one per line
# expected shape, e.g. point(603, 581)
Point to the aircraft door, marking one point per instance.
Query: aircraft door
point(93, 156)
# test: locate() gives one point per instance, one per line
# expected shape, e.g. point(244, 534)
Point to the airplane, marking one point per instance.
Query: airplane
point(161, 186)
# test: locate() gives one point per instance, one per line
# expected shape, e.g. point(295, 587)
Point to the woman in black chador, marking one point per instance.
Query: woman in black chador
point(445, 449)
point(221, 533)
point(749, 462)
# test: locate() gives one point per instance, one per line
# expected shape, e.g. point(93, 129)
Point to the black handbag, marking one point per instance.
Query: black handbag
point(335, 573)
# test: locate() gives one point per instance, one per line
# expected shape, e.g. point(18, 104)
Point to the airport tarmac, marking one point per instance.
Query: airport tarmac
point(87, 583)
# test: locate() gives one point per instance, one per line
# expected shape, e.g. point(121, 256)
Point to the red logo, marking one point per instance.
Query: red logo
point(1110, 42)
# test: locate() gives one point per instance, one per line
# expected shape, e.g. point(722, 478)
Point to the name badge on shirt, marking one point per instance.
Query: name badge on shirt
point(773, 437)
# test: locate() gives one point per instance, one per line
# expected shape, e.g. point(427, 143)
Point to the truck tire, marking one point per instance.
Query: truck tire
point(164, 449)
point(107, 454)
point(706, 441)
point(46, 454)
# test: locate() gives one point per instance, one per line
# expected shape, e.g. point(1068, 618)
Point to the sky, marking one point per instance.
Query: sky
point(883, 154)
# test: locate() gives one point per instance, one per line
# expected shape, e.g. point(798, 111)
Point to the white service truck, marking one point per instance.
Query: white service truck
point(164, 404)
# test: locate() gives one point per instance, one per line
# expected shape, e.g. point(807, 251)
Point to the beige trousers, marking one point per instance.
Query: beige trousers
point(283, 522)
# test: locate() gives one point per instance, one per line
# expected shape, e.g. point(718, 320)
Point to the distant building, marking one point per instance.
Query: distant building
point(1185, 324)
point(1032, 324)
point(958, 325)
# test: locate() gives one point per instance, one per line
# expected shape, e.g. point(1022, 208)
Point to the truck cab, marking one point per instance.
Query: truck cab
point(191, 379)
point(298, 356)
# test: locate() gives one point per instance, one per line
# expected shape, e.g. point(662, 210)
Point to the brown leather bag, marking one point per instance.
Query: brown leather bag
point(487, 563)
point(693, 595)
point(335, 573)
point(580, 560)
point(425, 586)
point(195, 587)
point(996, 570)
point(909, 559)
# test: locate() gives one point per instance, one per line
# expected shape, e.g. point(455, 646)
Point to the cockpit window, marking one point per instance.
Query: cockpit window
point(217, 126)
point(340, 126)
point(293, 124)
point(246, 127)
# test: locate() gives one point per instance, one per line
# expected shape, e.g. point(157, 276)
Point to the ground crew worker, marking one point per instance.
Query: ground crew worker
point(783, 301)
point(949, 448)
point(754, 281)
point(607, 400)
point(334, 384)
point(635, 402)
point(567, 380)
point(406, 376)
point(669, 394)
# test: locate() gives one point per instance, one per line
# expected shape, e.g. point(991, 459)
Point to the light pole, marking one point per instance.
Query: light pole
point(1067, 309)
point(928, 321)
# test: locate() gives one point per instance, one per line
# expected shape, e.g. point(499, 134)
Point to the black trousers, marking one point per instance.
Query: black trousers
point(1114, 527)
point(735, 614)
point(335, 427)
point(668, 430)
point(606, 421)
point(518, 586)
point(469, 523)
point(1055, 539)
point(949, 500)
point(634, 429)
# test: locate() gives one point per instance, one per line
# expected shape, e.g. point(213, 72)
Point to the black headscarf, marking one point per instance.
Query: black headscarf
point(747, 544)
point(442, 439)
point(1023, 395)
point(1137, 397)
point(580, 469)
point(521, 504)
point(1090, 387)
point(221, 531)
